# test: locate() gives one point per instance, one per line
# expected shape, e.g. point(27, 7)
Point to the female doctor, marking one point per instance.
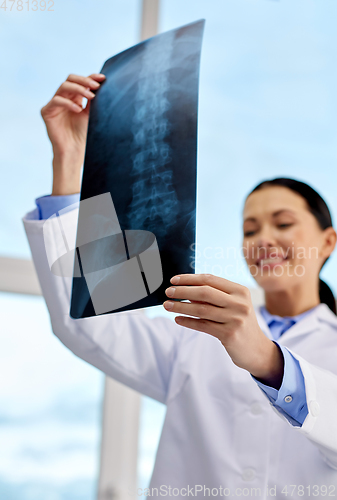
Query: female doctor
point(251, 395)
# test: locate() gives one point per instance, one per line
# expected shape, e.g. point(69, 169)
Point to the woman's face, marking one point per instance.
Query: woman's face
point(283, 243)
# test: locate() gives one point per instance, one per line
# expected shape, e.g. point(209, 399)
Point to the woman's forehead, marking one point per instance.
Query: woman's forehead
point(268, 200)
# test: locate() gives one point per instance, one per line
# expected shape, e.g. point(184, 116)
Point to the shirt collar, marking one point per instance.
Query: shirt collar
point(269, 318)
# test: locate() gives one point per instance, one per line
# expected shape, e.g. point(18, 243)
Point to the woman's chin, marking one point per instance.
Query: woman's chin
point(272, 283)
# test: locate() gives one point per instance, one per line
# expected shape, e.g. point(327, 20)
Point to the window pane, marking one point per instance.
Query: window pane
point(50, 416)
point(268, 108)
point(42, 49)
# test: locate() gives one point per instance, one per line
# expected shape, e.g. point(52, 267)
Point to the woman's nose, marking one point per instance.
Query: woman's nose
point(265, 242)
point(265, 238)
point(262, 247)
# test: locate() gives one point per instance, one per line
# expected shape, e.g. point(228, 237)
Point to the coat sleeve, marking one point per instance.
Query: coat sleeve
point(320, 424)
point(127, 346)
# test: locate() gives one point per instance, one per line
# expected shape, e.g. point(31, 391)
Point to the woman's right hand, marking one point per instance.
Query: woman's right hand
point(67, 126)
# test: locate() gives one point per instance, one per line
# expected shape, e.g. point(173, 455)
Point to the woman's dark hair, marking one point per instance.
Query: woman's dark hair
point(319, 210)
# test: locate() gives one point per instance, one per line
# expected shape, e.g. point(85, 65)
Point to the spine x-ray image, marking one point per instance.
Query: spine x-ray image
point(137, 215)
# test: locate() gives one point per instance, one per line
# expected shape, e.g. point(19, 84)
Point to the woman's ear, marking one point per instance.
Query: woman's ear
point(329, 242)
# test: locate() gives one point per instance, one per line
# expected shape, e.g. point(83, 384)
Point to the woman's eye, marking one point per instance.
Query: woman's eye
point(247, 234)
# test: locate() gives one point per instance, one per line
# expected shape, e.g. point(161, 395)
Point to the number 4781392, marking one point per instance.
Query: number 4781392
point(33, 5)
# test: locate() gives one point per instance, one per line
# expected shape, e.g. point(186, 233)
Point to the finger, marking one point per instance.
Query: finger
point(78, 99)
point(201, 325)
point(203, 293)
point(203, 311)
point(74, 89)
point(97, 76)
point(60, 102)
point(210, 280)
point(92, 81)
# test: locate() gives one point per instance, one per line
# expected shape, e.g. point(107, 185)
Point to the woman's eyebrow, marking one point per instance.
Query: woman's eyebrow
point(274, 214)
point(278, 212)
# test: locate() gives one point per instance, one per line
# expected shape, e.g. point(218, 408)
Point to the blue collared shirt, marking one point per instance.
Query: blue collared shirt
point(290, 397)
point(49, 205)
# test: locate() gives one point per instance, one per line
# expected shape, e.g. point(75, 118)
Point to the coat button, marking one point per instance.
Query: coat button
point(288, 399)
point(256, 408)
point(248, 474)
point(314, 408)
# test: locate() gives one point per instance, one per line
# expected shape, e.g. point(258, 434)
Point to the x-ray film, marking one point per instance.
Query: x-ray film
point(137, 215)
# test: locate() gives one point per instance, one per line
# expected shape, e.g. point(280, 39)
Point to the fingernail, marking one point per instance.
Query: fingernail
point(89, 94)
point(95, 83)
point(175, 280)
point(168, 305)
point(170, 292)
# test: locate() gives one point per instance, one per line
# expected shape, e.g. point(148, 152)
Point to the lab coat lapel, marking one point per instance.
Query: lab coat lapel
point(314, 321)
point(322, 314)
point(306, 325)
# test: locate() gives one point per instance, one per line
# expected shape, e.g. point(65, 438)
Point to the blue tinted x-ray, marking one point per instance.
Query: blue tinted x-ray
point(139, 172)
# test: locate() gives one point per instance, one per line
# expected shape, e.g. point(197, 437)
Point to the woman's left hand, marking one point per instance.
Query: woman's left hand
point(224, 310)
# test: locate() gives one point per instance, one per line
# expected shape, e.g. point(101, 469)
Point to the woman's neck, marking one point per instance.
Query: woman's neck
point(291, 302)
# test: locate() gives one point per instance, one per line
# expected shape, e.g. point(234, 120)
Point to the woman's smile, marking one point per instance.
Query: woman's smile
point(271, 262)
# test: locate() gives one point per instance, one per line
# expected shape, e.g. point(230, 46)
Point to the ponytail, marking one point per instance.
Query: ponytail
point(326, 296)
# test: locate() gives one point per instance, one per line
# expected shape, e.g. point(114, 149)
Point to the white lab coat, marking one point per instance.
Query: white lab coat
point(220, 428)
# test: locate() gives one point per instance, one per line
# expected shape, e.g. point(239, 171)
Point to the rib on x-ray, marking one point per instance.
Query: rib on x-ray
point(142, 151)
